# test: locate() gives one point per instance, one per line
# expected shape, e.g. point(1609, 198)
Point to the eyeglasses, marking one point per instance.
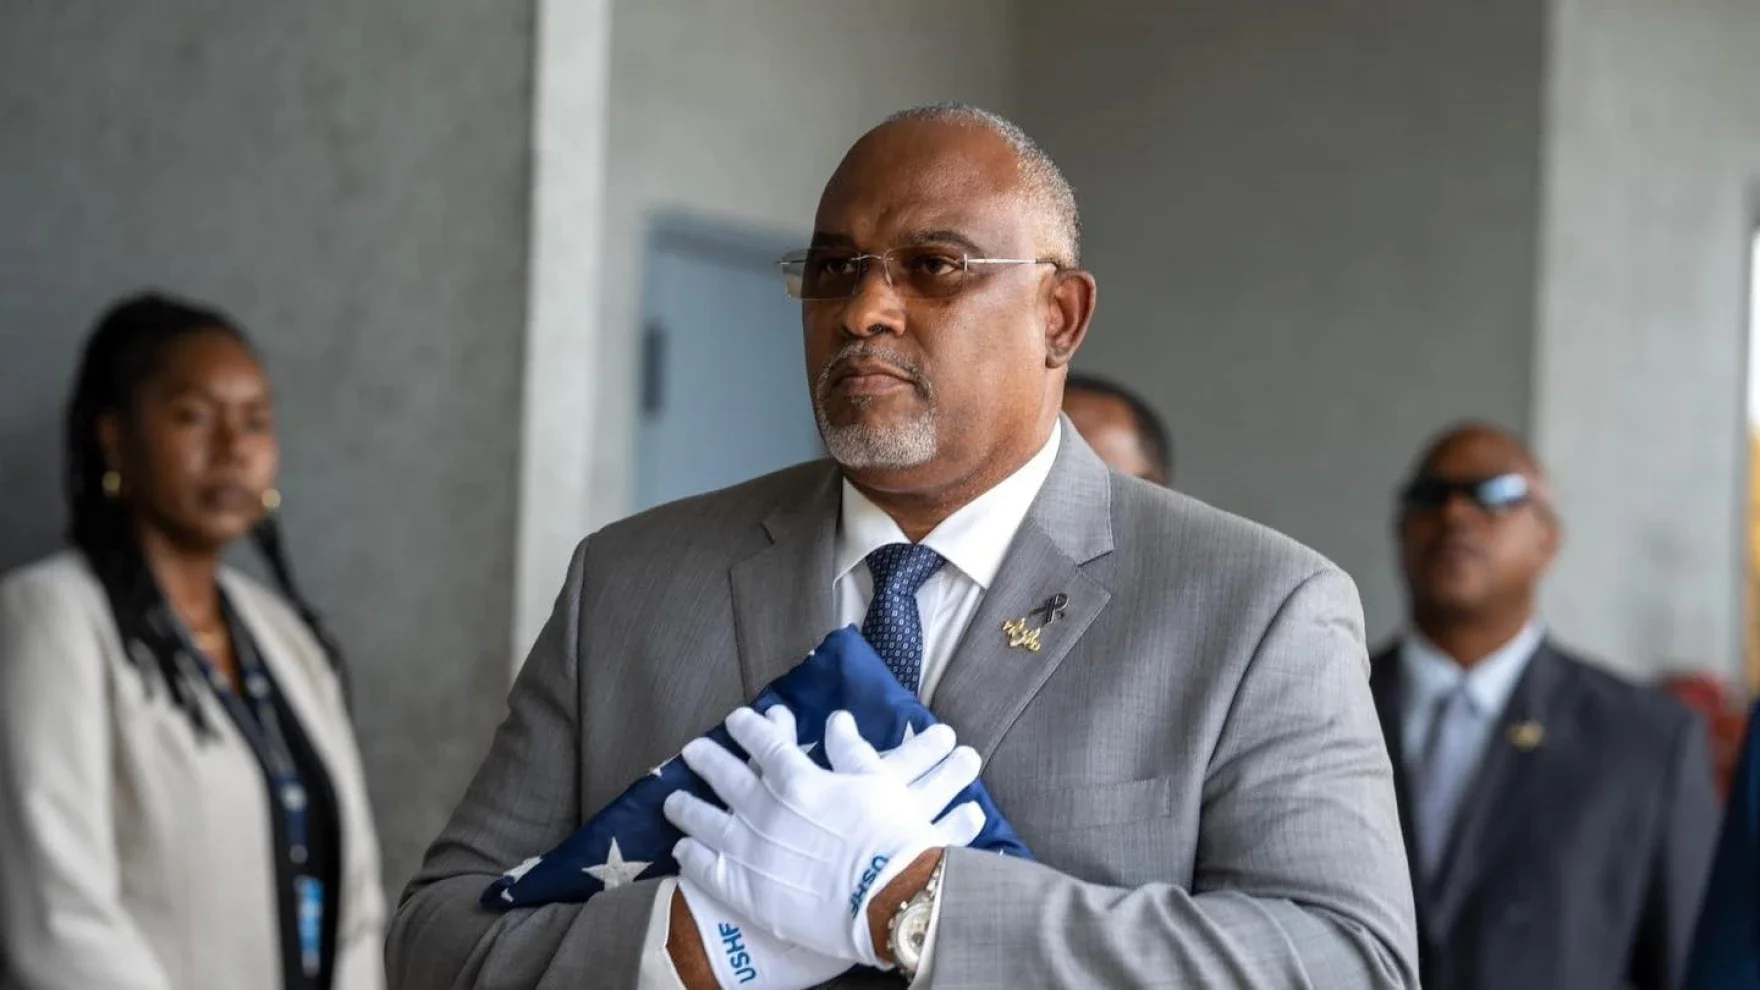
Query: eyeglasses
point(917, 272)
point(1496, 495)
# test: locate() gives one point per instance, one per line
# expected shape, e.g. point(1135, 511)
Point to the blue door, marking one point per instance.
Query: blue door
point(723, 392)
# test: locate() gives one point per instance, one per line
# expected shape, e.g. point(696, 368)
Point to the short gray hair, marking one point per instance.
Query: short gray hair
point(1051, 195)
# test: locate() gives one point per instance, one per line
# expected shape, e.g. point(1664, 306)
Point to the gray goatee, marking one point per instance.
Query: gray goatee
point(861, 445)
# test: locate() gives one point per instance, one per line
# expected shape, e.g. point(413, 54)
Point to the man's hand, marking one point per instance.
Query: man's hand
point(691, 938)
point(802, 851)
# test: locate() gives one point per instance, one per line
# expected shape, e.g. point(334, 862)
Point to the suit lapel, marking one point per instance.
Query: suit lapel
point(1512, 778)
point(782, 604)
point(1386, 686)
point(291, 668)
point(988, 683)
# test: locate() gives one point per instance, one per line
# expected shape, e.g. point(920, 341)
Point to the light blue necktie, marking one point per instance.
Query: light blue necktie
point(1443, 775)
point(892, 625)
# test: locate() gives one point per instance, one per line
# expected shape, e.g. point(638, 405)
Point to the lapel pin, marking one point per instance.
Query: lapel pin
point(1022, 634)
point(1527, 736)
point(1052, 610)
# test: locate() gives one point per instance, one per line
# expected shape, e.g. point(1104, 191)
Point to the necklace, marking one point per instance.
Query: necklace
point(210, 641)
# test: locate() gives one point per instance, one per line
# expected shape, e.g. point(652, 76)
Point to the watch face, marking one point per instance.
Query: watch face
point(913, 931)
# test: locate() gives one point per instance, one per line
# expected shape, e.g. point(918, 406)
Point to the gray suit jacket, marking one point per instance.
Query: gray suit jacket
point(1193, 756)
point(1578, 858)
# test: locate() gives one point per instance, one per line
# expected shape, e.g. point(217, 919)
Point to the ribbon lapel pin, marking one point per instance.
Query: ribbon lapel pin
point(1023, 633)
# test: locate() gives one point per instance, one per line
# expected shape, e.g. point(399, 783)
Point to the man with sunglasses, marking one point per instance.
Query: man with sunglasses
point(1170, 705)
point(1559, 819)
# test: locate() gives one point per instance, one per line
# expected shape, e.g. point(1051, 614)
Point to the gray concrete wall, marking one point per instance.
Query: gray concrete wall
point(1652, 170)
point(351, 183)
point(1314, 229)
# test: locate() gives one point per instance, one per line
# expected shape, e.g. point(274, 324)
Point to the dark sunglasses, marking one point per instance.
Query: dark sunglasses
point(1494, 495)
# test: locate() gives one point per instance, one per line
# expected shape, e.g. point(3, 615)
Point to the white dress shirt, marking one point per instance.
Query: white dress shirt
point(973, 541)
point(1429, 675)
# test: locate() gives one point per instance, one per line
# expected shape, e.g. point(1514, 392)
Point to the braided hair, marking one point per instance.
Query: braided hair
point(126, 349)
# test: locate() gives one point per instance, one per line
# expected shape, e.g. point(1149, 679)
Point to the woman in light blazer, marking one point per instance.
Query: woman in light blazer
point(181, 798)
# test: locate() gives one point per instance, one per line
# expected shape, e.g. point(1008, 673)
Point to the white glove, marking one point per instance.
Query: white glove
point(743, 955)
point(800, 850)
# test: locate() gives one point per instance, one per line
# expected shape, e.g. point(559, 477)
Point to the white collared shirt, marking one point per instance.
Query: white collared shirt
point(973, 541)
point(1429, 675)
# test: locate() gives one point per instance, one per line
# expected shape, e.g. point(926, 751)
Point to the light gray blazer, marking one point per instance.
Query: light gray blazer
point(1193, 756)
point(134, 856)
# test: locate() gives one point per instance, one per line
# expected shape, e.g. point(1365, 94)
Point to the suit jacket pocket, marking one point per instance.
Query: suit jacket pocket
point(1072, 806)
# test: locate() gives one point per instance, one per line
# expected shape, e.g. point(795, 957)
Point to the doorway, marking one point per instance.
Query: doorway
point(722, 384)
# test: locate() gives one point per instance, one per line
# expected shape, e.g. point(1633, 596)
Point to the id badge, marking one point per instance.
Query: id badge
point(308, 893)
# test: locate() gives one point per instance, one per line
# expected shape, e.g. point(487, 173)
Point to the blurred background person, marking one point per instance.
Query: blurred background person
point(1560, 820)
point(1122, 428)
point(181, 799)
point(1726, 949)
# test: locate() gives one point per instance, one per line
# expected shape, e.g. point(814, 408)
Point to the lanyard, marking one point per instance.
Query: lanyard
point(264, 733)
point(288, 790)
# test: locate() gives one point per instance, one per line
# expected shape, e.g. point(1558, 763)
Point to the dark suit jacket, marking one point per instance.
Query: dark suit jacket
point(1726, 955)
point(1581, 850)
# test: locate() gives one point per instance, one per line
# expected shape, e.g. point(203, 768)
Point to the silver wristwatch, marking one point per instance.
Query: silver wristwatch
point(909, 929)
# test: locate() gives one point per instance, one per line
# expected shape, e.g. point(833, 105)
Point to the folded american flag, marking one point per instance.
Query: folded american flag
point(630, 838)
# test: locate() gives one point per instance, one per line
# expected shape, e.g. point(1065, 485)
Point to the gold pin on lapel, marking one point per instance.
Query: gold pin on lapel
point(1022, 635)
point(1527, 736)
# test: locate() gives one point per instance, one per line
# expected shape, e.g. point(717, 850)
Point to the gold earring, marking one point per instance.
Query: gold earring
point(112, 483)
point(271, 500)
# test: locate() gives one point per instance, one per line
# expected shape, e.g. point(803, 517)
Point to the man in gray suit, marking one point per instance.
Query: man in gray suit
point(1171, 704)
point(1561, 819)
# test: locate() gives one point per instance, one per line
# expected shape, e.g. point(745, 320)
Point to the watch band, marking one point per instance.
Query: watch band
point(908, 930)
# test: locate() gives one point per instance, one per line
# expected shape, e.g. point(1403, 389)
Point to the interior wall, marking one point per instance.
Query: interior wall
point(1314, 228)
point(1651, 183)
point(351, 184)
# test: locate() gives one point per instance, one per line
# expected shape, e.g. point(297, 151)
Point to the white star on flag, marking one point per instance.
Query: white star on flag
point(615, 871)
point(516, 873)
point(523, 868)
point(910, 732)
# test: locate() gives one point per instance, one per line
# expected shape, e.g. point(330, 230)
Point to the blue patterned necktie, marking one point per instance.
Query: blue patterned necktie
point(892, 625)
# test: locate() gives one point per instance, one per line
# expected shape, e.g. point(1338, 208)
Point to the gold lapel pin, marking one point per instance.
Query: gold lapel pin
point(1527, 736)
point(1022, 635)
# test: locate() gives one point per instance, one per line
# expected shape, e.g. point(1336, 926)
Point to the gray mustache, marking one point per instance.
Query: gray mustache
point(859, 350)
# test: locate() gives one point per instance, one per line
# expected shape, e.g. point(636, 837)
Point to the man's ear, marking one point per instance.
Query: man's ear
point(1554, 534)
point(1069, 308)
